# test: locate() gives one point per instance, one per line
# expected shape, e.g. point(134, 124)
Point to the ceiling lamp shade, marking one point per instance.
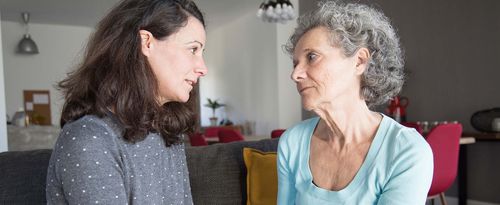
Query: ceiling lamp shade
point(276, 11)
point(27, 45)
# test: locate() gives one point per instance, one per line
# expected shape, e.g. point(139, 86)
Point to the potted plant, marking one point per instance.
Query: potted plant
point(214, 105)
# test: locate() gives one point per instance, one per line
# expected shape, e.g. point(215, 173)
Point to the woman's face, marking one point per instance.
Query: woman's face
point(176, 61)
point(323, 74)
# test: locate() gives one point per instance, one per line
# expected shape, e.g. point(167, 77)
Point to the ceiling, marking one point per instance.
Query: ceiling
point(67, 12)
point(88, 12)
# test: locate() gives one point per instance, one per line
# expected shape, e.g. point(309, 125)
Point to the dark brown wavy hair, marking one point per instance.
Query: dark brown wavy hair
point(115, 74)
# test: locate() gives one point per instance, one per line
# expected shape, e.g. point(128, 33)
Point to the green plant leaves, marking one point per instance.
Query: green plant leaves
point(214, 104)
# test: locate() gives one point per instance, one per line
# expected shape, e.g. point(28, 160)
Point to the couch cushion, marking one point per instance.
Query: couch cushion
point(217, 172)
point(22, 176)
point(262, 177)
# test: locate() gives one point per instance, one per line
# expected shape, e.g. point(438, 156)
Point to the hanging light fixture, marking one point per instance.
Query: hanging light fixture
point(27, 45)
point(276, 11)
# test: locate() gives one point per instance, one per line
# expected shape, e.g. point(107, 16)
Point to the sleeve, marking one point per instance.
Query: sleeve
point(411, 177)
point(188, 197)
point(286, 188)
point(88, 166)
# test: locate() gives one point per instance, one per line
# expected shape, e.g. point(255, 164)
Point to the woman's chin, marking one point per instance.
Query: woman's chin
point(181, 99)
point(184, 99)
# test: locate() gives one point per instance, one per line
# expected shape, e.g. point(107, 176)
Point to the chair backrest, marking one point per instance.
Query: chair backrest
point(197, 139)
point(413, 125)
point(212, 131)
point(445, 142)
point(277, 133)
point(227, 135)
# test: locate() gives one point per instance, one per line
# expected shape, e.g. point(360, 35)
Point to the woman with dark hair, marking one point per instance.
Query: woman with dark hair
point(347, 59)
point(127, 108)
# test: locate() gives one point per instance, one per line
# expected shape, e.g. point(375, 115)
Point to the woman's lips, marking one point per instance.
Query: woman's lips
point(303, 89)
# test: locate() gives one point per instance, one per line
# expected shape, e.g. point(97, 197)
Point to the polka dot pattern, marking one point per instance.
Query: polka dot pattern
point(90, 157)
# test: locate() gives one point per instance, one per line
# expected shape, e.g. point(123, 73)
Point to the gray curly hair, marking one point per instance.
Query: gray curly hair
point(354, 26)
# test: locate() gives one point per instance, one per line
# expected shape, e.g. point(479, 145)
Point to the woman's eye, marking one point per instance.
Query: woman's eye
point(193, 50)
point(311, 56)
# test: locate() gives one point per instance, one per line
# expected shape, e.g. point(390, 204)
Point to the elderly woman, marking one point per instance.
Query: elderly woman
point(347, 58)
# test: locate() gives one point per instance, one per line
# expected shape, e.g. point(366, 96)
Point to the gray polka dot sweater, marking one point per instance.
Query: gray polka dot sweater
point(92, 164)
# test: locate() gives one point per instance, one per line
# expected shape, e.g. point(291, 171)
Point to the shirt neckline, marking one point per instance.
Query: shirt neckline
point(362, 173)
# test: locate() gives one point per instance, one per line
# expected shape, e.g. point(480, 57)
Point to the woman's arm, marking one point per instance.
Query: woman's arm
point(411, 176)
point(87, 166)
point(286, 187)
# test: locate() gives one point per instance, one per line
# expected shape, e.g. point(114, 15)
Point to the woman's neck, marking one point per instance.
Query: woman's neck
point(347, 124)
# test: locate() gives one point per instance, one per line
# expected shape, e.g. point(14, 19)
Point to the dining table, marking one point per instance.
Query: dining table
point(214, 140)
point(462, 161)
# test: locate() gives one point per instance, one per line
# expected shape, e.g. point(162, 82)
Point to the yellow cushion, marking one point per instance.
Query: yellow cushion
point(262, 176)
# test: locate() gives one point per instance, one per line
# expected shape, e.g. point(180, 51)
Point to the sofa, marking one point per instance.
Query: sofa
point(217, 173)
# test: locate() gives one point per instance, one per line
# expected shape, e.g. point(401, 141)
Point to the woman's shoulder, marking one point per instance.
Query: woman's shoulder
point(410, 136)
point(405, 140)
point(94, 123)
point(88, 124)
point(83, 145)
point(298, 132)
point(87, 131)
point(301, 127)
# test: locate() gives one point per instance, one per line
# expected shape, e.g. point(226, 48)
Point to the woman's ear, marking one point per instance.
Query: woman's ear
point(146, 42)
point(362, 58)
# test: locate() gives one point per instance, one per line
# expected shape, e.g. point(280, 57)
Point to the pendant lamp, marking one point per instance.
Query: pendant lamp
point(276, 11)
point(27, 45)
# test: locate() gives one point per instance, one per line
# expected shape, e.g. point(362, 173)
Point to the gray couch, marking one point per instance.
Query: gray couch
point(217, 173)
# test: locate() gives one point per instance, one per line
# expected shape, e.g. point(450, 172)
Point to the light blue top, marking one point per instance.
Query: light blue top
point(397, 169)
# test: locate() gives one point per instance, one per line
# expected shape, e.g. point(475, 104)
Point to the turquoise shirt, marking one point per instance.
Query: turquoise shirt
point(397, 169)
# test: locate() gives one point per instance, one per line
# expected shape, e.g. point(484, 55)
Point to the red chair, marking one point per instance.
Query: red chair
point(413, 125)
point(197, 139)
point(212, 131)
point(277, 133)
point(227, 135)
point(444, 140)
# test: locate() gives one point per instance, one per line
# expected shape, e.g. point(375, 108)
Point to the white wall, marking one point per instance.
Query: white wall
point(3, 128)
point(249, 72)
point(60, 48)
point(241, 58)
point(289, 104)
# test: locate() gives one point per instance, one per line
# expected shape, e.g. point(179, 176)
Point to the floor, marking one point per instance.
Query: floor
point(454, 201)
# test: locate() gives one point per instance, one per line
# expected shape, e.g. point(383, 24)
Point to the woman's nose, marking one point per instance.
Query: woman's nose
point(298, 73)
point(201, 68)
